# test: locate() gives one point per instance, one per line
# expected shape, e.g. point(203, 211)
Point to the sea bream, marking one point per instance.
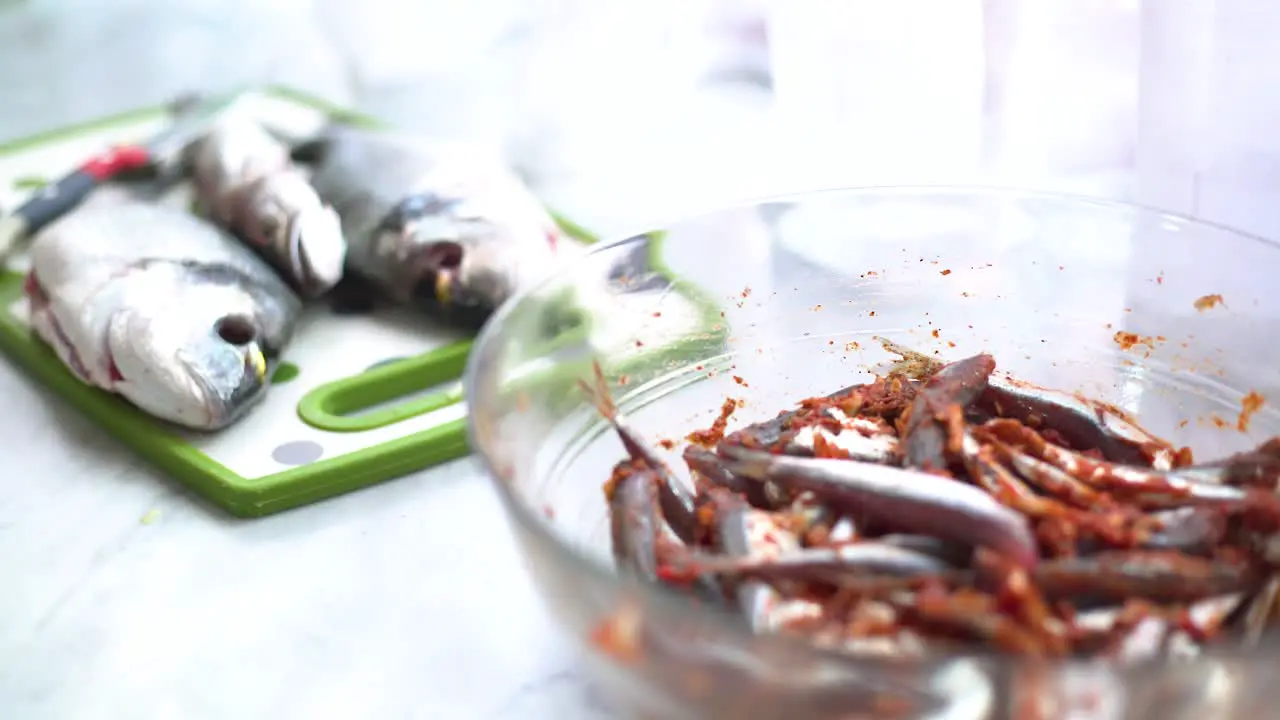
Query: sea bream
point(160, 307)
point(450, 227)
point(245, 181)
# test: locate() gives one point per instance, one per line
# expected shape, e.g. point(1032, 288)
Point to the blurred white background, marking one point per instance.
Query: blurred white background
point(665, 106)
point(623, 114)
point(570, 88)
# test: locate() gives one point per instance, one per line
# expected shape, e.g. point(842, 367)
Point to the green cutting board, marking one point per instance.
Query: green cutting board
point(356, 400)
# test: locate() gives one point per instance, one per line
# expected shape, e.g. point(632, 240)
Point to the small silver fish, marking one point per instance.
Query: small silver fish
point(675, 499)
point(827, 563)
point(245, 181)
point(1201, 485)
point(710, 470)
point(1084, 423)
point(952, 553)
point(447, 226)
point(959, 383)
point(635, 523)
point(1188, 529)
point(909, 500)
point(1121, 575)
point(745, 533)
point(1260, 614)
point(160, 307)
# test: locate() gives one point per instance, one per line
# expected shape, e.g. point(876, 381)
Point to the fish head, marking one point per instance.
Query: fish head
point(317, 249)
point(466, 261)
point(197, 361)
point(473, 273)
point(305, 233)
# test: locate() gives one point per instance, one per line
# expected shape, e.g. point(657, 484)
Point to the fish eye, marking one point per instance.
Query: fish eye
point(444, 255)
point(236, 329)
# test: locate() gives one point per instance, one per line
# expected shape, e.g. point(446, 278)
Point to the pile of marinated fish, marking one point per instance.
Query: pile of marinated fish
point(942, 509)
point(184, 314)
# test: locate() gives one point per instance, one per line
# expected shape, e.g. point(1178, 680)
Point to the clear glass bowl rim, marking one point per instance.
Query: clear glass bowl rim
point(531, 521)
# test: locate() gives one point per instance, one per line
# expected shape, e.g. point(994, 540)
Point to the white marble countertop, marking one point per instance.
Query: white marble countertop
point(124, 596)
point(383, 603)
point(378, 604)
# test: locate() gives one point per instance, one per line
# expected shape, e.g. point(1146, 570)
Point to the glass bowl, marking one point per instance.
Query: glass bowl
point(777, 301)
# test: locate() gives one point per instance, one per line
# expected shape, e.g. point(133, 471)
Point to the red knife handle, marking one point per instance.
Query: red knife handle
point(56, 199)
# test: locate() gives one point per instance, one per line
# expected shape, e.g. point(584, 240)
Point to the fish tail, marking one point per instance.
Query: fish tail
point(598, 393)
point(912, 363)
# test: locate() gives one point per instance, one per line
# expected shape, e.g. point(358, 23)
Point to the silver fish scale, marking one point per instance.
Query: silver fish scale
point(349, 154)
point(235, 150)
point(112, 234)
point(119, 224)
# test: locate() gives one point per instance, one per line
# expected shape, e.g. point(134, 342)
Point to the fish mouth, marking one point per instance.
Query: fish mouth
point(221, 408)
point(437, 268)
point(442, 292)
point(316, 251)
point(217, 412)
point(224, 404)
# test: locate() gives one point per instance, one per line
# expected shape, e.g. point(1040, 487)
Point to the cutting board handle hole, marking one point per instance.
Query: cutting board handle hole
point(388, 394)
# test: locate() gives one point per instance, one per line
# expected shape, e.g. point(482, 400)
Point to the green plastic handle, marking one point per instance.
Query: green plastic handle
point(343, 405)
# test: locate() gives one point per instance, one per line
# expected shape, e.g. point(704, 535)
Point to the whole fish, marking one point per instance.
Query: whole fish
point(954, 386)
point(1154, 575)
point(245, 181)
point(449, 227)
point(636, 522)
point(1084, 423)
point(674, 497)
point(911, 500)
point(823, 563)
point(160, 307)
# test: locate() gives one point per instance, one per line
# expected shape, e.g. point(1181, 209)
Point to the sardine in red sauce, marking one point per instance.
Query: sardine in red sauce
point(943, 511)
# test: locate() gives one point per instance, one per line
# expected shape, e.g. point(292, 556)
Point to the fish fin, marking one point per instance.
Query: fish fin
point(911, 363)
point(634, 272)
